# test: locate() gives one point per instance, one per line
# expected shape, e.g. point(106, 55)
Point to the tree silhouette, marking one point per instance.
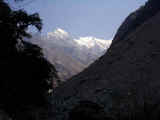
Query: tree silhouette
point(26, 76)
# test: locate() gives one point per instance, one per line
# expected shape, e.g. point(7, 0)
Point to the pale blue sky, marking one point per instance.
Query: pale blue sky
point(98, 18)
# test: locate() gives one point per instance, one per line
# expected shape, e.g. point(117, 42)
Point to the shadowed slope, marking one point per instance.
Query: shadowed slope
point(125, 80)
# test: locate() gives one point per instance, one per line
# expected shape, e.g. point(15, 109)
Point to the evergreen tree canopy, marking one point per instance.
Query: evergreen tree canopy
point(26, 75)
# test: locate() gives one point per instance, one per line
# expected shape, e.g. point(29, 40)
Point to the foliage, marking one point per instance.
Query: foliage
point(26, 76)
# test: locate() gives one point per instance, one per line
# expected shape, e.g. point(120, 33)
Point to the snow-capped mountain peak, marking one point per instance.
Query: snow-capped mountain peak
point(91, 42)
point(89, 45)
point(70, 55)
point(59, 34)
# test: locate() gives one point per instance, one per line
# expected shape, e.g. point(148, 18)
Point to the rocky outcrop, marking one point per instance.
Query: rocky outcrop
point(125, 82)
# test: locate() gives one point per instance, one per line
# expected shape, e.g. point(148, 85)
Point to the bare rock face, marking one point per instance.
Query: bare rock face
point(125, 82)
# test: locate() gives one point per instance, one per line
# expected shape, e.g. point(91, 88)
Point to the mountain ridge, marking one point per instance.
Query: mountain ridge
point(70, 55)
point(125, 81)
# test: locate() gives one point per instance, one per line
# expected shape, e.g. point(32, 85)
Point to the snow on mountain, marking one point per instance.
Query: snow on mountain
point(59, 34)
point(94, 45)
point(70, 55)
point(60, 37)
point(90, 42)
point(84, 49)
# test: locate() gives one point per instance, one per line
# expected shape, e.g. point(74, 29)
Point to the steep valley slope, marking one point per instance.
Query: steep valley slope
point(125, 80)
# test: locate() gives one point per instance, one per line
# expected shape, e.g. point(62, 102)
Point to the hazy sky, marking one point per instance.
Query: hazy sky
point(98, 18)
